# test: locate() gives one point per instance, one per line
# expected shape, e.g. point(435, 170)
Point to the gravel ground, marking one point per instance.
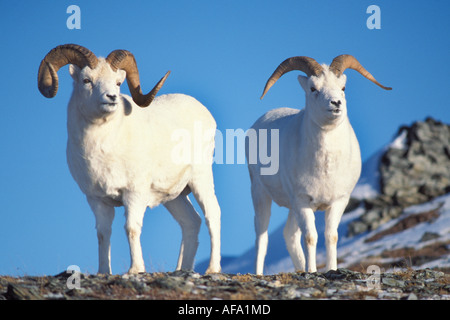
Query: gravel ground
point(342, 284)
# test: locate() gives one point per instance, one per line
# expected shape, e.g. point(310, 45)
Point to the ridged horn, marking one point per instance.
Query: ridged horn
point(346, 61)
point(57, 58)
point(305, 64)
point(123, 59)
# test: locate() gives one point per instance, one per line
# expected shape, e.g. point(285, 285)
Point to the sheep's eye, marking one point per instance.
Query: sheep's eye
point(343, 88)
point(87, 80)
point(118, 83)
point(313, 89)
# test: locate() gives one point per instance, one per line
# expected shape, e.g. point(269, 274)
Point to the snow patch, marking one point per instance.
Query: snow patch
point(400, 142)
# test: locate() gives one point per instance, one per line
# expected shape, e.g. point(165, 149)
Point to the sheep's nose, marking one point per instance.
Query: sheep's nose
point(112, 97)
point(336, 103)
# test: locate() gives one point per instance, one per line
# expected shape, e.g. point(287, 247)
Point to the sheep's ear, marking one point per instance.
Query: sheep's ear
point(303, 82)
point(74, 71)
point(343, 79)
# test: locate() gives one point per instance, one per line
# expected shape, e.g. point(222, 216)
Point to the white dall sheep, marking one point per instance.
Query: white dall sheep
point(319, 161)
point(120, 153)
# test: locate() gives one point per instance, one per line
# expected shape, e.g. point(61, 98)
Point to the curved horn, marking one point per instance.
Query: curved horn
point(346, 61)
point(305, 64)
point(123, 59)
point(57, 58)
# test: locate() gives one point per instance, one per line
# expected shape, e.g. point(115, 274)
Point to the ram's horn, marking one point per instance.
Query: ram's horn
point(57, 58)
point(345, 61)
point(123, 59)
point(308, 65)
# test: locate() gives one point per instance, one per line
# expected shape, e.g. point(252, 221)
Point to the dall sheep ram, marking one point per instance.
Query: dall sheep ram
point(319, 161)
point(119, 151)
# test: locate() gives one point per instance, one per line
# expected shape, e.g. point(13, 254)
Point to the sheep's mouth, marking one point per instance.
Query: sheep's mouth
point(109, 107)
point(336, 111)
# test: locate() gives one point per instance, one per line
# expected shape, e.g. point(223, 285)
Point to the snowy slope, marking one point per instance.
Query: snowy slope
point(406, 243)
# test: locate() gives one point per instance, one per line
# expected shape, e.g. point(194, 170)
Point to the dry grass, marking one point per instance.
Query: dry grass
point(242, 277)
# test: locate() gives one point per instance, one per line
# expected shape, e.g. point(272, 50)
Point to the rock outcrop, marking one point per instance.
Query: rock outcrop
point(413, 170)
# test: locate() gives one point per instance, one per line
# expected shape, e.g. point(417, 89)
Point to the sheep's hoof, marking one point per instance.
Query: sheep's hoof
point(104, 273)
point(213, 270)
point(136, 270)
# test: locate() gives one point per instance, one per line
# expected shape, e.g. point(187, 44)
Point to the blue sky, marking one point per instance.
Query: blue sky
point(220, 52)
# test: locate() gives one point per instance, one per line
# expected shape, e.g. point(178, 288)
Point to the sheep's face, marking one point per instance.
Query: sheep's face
point(325, 98)
point(99, 88)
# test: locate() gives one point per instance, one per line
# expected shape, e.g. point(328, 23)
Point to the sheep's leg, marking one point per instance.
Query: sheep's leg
point(261, 203)
point(189, 220)
point(292, 236)
point(203, 189)
point(104, 216)
point(134, 214)
point(306, 221)
point(332, 218)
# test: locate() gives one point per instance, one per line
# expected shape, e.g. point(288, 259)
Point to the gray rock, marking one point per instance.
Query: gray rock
point(16, 292)
point(391, 282)
point(169, 282)
point(429, 274)
point(429, 236)
point(411, 175)
point(356, 227)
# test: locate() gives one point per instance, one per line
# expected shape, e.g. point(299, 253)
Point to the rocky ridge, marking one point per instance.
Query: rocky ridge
point(342, 284)
point(414, 169)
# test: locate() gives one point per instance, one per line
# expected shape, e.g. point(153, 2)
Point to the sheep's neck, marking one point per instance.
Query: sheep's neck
point(326, 146)
point(320, 134)
point(95, 132)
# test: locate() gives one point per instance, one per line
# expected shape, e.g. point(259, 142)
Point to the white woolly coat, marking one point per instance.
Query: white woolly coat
point(322, 164)
point(107, 158)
